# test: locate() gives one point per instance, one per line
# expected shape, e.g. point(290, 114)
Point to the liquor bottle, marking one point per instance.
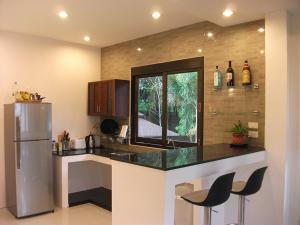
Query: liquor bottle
point(218, 79)
point(230, 76)
point(246, 74)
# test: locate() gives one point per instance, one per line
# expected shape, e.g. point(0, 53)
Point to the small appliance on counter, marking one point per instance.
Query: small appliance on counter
point(123, 135)
point(90, 142)
point(97, 141)
point(109, 127)
point(78, 143)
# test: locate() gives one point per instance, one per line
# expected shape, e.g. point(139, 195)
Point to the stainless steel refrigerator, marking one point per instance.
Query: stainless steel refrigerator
point(28, 158)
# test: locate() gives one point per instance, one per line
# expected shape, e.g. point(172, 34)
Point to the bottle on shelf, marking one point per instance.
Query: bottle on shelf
point(218, 79)
point(246, 74)
point(230, 75)
point(15, 88)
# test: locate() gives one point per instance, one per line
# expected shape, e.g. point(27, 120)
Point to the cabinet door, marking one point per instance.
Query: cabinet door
point(103, 97)
point(121, 98)
point(97, 97)
point(91, 99)
point(108, 98)
point(111, 98)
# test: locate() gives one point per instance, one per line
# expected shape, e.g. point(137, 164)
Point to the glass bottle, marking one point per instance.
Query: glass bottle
point(246, 74)
point(218, 79)
point(230, 75)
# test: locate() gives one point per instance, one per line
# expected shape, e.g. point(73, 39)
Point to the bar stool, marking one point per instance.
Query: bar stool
point(216, 195)
point(243, 189)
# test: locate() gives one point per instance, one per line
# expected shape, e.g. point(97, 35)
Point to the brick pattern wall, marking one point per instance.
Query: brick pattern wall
point(236, 43)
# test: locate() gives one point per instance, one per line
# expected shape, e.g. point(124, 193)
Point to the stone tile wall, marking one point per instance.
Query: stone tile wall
point(236, 43)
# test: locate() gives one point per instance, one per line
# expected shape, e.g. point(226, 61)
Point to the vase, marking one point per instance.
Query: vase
point(238, 139)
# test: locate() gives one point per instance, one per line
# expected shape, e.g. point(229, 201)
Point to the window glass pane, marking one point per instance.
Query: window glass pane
point(182, 107)
point(150, 107)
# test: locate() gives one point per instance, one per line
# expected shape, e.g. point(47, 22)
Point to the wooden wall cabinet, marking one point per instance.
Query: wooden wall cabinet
point(108, 98)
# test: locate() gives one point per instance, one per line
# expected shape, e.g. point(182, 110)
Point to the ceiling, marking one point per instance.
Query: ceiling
point(108, 22)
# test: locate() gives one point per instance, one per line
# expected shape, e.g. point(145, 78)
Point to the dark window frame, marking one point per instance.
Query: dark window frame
point(165, 69)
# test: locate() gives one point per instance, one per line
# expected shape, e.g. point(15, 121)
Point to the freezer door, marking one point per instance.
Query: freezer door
point(34, 179)
point(33, 121)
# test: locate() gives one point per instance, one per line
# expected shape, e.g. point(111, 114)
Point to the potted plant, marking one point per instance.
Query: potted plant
point(239, 134)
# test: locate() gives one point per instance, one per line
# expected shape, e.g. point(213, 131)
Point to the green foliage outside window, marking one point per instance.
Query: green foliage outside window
point(182, 95)
point(182, 101)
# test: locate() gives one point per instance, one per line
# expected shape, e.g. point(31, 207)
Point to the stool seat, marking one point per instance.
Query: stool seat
point(196, 197)
point(243, 189)
point(218, 193)
point(238, 186)
point(252, 185)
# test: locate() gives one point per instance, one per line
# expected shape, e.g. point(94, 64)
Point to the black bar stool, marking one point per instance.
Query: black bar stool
point(244, 189)
point(216, 195)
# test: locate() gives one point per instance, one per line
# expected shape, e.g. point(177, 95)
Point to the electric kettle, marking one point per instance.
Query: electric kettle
point(90, 142)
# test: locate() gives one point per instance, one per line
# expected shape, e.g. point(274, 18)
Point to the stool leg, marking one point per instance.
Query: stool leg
point(242, 201)
point(207, 219)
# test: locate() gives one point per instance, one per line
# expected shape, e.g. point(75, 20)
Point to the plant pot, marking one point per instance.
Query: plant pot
point(238, 139)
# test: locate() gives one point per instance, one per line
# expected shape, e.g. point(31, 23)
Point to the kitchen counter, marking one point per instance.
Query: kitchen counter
point(168, 159)
point(147, 179)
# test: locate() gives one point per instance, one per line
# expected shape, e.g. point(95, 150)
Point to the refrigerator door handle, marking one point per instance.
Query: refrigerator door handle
point(18, 152)
point(18, 128)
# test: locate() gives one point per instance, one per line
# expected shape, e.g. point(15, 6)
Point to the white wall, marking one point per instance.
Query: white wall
point(88, 175)
point(58, 70)
point(292, 163)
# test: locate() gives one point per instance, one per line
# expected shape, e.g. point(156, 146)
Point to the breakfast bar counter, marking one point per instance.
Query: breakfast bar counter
point(143, 184)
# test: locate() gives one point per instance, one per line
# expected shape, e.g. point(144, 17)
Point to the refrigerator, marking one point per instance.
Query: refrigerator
point(28, 158)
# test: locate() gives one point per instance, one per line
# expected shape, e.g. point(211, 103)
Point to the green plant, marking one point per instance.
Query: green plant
point(238, 129)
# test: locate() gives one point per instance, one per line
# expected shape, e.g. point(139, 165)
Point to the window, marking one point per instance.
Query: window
point(166, 104)
point(150, 107)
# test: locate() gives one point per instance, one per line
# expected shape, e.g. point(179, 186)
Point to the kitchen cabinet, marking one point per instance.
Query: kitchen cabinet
point(108, 98)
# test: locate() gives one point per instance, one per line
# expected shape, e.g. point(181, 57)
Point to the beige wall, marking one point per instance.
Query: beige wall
point(58, 70)
point(236, 43)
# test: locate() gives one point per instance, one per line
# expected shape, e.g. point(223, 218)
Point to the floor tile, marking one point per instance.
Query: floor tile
point(87, 214)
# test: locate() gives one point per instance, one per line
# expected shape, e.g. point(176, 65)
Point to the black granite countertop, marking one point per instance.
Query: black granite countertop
point(168, 159)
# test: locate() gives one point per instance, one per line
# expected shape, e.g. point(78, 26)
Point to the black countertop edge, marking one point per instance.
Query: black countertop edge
point(104, 152)
point(185, 165)
point(169, 159)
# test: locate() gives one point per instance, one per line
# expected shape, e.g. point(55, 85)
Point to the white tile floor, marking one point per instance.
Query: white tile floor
point(87, 214)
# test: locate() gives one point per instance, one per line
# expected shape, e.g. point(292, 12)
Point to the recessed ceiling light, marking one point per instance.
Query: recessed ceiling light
point(199, 50)
point(156, 15)
point(227, 13)
point(63, 14)
point(262, 51)
point(210, 34)
point(87, 38)
point(139, 49)
point(261, 30)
